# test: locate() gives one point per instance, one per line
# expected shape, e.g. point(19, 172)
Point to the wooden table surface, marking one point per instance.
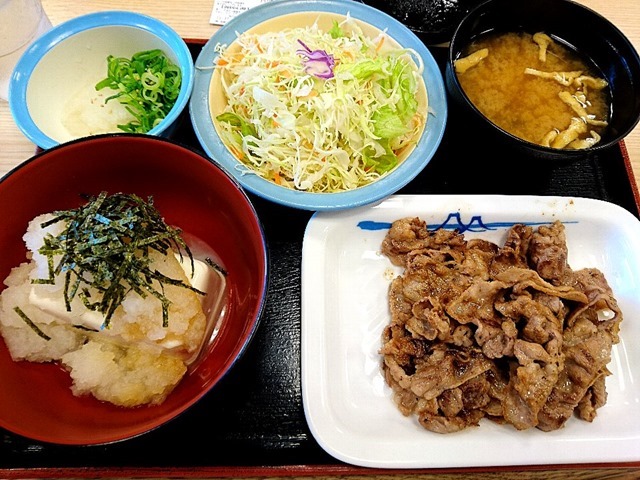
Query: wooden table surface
point(190, 18)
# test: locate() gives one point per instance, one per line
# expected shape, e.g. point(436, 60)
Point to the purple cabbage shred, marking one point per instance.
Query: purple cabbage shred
point(317, 62)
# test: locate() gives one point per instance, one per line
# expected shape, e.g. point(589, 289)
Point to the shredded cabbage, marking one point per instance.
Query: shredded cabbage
point(328, 132)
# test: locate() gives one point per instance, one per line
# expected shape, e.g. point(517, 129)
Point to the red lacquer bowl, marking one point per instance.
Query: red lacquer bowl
point(192, 193)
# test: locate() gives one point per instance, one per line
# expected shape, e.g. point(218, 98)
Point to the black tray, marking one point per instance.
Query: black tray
point(253, 422)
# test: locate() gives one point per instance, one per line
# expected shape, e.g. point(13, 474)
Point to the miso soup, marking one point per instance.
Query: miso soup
point(535, 88)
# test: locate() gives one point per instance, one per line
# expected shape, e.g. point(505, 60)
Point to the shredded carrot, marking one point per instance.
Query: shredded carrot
point(239, 154)
point(380, 42)
point(311, 94)
point(230, 59)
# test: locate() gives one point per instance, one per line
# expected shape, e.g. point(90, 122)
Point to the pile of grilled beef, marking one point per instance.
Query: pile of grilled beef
point(510, 333)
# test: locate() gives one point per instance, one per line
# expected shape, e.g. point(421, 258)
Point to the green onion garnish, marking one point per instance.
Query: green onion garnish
point(148, 84)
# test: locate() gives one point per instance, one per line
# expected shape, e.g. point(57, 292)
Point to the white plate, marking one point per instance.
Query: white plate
point(344, 309)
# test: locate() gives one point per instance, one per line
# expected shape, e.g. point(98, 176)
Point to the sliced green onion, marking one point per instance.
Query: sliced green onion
point(147, 84)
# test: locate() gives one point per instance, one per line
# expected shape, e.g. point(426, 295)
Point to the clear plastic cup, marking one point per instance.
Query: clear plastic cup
point(21, 22)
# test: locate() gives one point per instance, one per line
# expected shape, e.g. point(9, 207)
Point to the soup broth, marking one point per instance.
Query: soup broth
point(536, 89)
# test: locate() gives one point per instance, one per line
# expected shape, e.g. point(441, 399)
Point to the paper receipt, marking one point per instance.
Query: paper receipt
point(225, 10)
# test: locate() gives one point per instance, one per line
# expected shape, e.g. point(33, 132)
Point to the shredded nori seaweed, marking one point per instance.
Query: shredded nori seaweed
point(31, 324)
point(215, 266)
point(105, 247)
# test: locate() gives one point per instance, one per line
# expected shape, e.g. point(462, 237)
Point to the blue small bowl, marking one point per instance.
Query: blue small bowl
point(407, 170)
point(57, 72)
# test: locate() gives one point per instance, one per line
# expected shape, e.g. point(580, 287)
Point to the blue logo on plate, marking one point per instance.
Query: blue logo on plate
point(453, 222)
